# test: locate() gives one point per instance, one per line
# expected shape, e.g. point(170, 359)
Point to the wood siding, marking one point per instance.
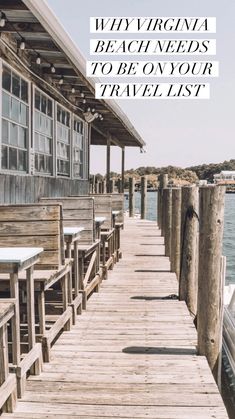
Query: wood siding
point(28, 189)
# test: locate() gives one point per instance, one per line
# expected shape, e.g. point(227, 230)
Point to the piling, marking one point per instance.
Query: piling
point(131, 197)
point(167, 216)
point(189, 227)
point(143, 189)
point(119, 185)
point(163, 182)
point(176, 231)
point(210, 295)
point(111, 185)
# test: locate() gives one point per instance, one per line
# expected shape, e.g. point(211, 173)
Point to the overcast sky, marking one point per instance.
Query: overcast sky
point(177, 132)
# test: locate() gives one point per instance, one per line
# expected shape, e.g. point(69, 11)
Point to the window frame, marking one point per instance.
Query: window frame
point(69, 176)
point(36, 88)
point(84, 149)
point(29, 104)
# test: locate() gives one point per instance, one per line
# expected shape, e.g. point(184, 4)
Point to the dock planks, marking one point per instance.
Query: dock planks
point(132, 353)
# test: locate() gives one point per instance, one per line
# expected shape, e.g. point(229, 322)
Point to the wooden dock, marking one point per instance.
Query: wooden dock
point(132, 353)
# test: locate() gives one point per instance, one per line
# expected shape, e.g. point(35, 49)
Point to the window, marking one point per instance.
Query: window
point(63, 141)
point(15, 125)
point(43, 132)
point(79, 154)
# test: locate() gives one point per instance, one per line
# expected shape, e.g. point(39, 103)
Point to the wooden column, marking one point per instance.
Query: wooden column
point(123, 169)
point(100, 187)
point(175, 231)
point(167, 205)
point(108, 165)
point(119, 185)
point(96, 186)
point(143, 191)
point(163, 182)
point(112, 186)
point(189, 226)
point(210, 296)
point(131, 197)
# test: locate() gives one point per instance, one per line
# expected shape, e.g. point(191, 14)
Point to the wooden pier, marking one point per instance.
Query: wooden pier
point(132, 353)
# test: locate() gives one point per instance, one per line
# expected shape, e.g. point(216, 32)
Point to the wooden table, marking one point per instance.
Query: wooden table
point(12, 261)
point(71, 237)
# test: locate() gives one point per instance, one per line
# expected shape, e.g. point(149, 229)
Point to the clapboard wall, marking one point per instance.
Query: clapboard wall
point(27, 189)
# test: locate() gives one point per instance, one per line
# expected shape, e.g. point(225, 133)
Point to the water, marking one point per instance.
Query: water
point(229, 227)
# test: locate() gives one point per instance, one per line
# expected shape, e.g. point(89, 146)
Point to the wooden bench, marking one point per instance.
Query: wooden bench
point(103, 209)
point(8, 385)
point(41, 225)
point(79, 212)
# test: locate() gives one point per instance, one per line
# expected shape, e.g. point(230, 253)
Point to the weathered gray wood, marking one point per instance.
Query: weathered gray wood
point(143, 191)
point(133, 353)
point(188, 283)
point(209, 316)
point(131, 197)
point(112, 186)
point(108, 165)
point(29, 189)
point(167, 218)
point(176, 231)
point(123, 171)
point(163, 182)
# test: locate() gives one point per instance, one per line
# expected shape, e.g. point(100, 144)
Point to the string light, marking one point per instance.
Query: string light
point(84, 101)
point(38, 60)
point(88, 109)
point(73, 89)
point(82, 94)
point(22, 44)
point(52, 69)
point(61, 81)
point(2, 20)
point(93, 110)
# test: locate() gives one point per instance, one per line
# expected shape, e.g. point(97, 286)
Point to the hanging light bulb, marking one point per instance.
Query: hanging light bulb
point(88, 109)
point(2, 20)
point(61, 81)
point(38, 60)
point(93, 110)
point(73, 90)
point(84, 101)
point(52, 69)
point(82, 94)
point(22, 44)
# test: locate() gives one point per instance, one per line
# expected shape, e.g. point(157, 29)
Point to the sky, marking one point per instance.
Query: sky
point(176, 132)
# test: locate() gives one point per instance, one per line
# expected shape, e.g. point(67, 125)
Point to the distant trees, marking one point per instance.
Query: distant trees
point(176, 174)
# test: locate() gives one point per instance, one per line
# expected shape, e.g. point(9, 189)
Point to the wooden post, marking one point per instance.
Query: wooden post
point(119, 185)
point(188, 283)
point(100, 187)
point(175, 231)
point(209, 317)
point(143, 188)
point(123, 170)
point(131, 197)
point(108, 166)
point(112, 185)
point(167, 207)
point(163, 182)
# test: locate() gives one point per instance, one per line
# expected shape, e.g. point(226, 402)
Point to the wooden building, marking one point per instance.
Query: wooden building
point(49, 117)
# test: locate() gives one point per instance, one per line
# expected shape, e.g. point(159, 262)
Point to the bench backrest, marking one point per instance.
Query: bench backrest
point(103, 208)
point(118, 205)
point(34, 225)
point(78, 212)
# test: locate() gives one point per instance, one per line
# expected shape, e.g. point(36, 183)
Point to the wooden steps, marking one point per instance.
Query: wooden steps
point(132, 353)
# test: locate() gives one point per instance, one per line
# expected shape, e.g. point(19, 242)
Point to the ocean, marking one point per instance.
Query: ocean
point(229, 227)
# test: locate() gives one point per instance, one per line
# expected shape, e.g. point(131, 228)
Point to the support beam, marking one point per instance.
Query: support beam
point(123, 168)
point(108, 166)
